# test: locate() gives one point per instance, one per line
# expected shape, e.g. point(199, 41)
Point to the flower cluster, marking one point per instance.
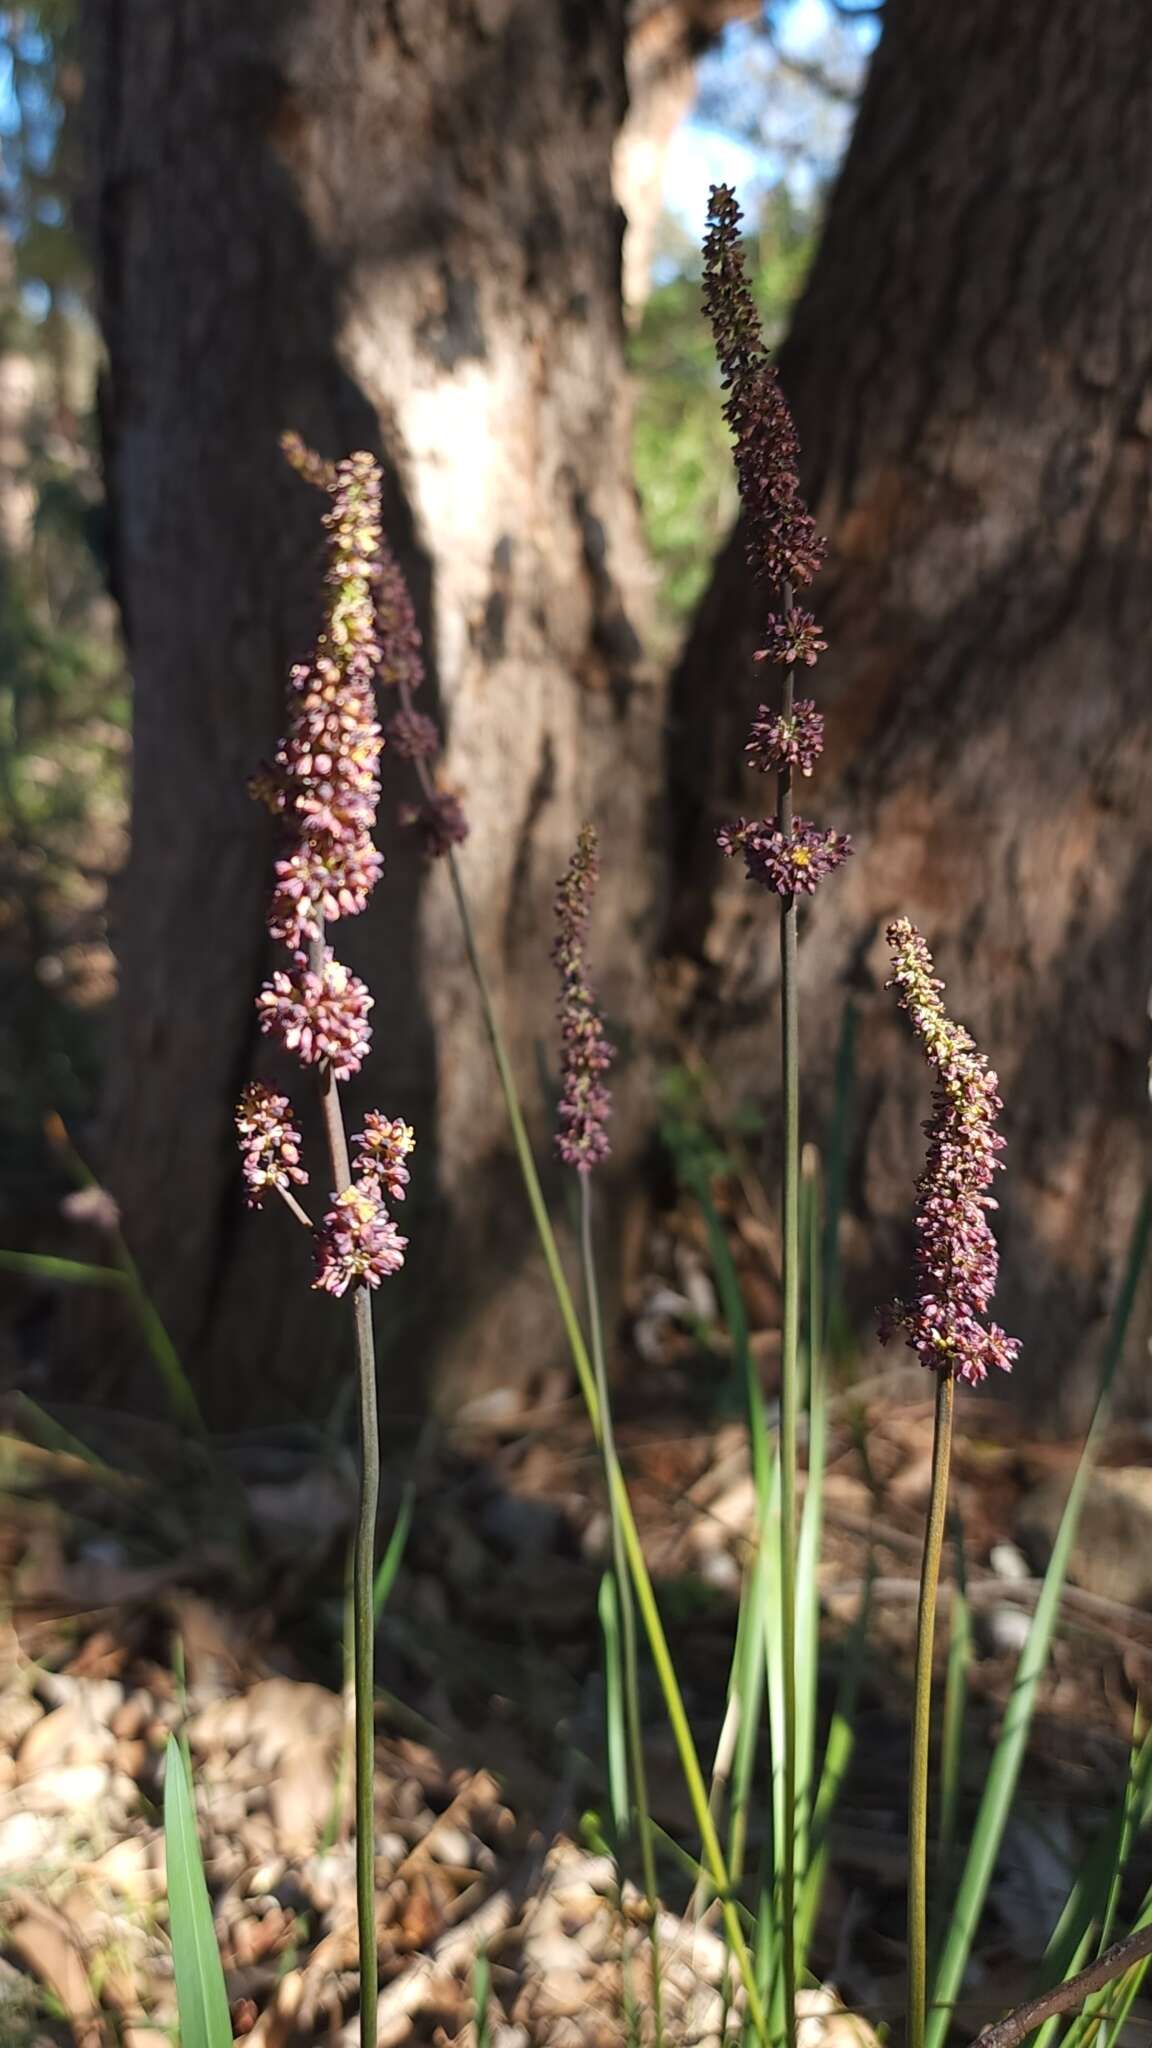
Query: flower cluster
point(401, 658)
point(793, 637)
point(324, 785)
point(439, 822)
point(415, 737)
point(358, 1243)
point(586, 1054)
point(790, 863)
point(956, 1254)
point(785, 854)
point(786, 739)
point(783, 544)
point(319, 1014)
point(269, 1142)
point(384, 1146)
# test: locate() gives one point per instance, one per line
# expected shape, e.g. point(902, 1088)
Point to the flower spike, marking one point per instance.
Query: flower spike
point(586, 1055)
point(956, 1258)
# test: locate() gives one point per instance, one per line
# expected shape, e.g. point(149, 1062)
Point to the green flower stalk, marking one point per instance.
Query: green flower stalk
point(323, 785)
point(582, 1142)
point(957, 1263)
point(784, 853)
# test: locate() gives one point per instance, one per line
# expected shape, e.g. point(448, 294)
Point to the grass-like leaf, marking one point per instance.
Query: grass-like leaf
point(200, 1992)
point(837, 1757)
point(181, 1398)
point(61, 1272)
point(1094, 1897)
point(393, 1556)
point(615, 1733)
point(481, 1996)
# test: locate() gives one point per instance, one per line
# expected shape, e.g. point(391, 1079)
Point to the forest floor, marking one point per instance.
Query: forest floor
point(169, 1587)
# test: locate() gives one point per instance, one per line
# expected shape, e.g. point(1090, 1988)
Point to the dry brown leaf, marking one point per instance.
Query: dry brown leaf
point(49, 1946)
point(300, 1797)
point(276, 2025)
point(69, 1735)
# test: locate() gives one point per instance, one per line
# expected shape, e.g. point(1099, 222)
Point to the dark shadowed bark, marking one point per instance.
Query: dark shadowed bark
point(971, 369)
point(389, 224)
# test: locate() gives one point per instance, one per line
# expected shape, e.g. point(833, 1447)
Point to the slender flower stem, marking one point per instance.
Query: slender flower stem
point(789, 1371)
point(922, 1714)
point(301, 1215)
point(631, 1673)
point(363, 1567)
point(713, 1854)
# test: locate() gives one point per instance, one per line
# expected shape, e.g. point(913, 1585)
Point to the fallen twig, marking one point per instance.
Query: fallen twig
point(1016, 2025)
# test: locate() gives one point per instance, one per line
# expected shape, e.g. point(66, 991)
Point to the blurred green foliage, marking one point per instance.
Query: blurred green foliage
point(681, 447)
point(63, 692)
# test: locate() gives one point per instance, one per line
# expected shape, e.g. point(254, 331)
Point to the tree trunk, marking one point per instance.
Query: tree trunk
point(666, 37)
point(389, 224)
point(971, 370)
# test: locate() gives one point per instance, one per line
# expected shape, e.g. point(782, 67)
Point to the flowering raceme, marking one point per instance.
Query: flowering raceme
point(586, 1054)
point(323, 785)
point(438, 820)
point(782, 853)
point(324, 780)
point(956, 1257)
point(783, 544)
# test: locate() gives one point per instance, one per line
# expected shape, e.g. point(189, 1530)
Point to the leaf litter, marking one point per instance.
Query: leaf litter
point(125, 1622)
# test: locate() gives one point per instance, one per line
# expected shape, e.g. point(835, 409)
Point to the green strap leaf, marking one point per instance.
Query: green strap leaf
point(204, 2018)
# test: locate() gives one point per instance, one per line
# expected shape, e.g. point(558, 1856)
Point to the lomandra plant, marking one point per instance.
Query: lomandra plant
point(786, 854)
point(944, 1322)
point(582, 1142)
point(323, 786)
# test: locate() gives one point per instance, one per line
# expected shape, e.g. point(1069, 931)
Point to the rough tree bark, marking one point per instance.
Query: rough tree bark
point(665, 40)
point(388, 223)
point(971, 369)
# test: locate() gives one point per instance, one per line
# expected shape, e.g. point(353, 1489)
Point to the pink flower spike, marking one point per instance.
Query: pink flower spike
point(956, 1257)
point(586, 1054)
